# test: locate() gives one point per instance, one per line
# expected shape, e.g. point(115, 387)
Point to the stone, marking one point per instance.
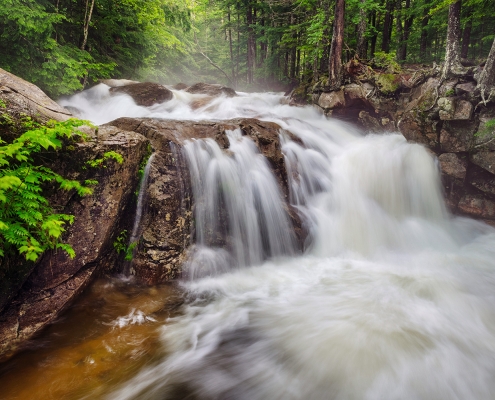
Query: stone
point(457, 136)
point(332, 100)
point(485, 160)
point(211, 90)
point(447, 107)
point(463, 110)
point(145, 94)
point(484, 138)
point(98, 218)
point(463, 88)
point(453, 165)
point(21, 99)
point(355, 95)
point(477, 206)
point(368, 122)
point(180, 86)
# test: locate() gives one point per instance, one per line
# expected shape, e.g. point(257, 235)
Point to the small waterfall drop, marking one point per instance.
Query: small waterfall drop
point(136, 228)
point(394, 299)
point(237, 199)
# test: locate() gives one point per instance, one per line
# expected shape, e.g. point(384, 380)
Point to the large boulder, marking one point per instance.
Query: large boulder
point(211, 90)
point(56, 279)
point(145, 94)
point(167, 225)
point(19, 100)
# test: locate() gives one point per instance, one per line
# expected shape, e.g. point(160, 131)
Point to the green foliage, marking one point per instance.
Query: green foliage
point(109, 155)
point(2, 104)
point(28, 224)
point(386, 61)
point(144, 161)
point(449, 92)
point(120, 245)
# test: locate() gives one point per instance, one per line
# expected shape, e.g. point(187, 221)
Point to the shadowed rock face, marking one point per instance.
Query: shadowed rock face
point(145, 94)
point(167, 224)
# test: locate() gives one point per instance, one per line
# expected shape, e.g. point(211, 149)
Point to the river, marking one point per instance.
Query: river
point(393, 298)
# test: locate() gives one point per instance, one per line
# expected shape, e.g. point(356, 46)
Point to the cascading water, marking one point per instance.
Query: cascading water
point(394, 299)
point(243, 191)
point(143, 185)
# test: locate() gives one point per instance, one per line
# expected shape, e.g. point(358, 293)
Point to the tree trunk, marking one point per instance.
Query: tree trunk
point(387, 27)
point(405, 30)
point(452, 64)
point(87, 21)
point(424, 37)
point(361, 31)
point(466, 38)
point(335, 71)
point(374, 22)
point(486, 83)
point(250, 45)
point(234, 79)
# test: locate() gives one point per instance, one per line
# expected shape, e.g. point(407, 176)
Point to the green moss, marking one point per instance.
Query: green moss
point(388, 83)
point(449, 92)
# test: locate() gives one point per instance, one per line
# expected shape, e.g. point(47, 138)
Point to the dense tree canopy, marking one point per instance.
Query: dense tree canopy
point(63, 45)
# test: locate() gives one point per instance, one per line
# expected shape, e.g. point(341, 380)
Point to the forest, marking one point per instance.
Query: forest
point(66, 45)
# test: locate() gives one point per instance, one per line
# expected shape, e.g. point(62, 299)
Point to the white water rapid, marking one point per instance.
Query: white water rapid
point(393, 299)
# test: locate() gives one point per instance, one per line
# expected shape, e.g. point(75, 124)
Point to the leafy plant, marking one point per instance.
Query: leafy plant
point(109, 155)
point(386, 61)
point(28, 223)
point(120, 245)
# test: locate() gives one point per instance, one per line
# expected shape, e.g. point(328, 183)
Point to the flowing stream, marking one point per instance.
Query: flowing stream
point(393, 297)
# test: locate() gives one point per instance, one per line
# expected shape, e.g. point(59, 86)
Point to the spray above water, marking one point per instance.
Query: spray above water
point(392, 300)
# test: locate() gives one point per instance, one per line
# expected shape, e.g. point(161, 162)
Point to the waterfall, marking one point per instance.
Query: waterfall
point(393, 299)
point(136, 228)
point(237, 200)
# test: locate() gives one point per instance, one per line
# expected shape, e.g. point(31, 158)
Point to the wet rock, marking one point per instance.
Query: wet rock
point(20, 99)
point(145, 94)
point(211, 90)
point(57, 279)
point(368, 122)
point(332, 100)
point(167, 226)
point(180, 86)
point(478, 207)
point(485, 159)
point(453, 165)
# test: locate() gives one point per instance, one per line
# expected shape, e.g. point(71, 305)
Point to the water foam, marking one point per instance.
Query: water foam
point(394, 299)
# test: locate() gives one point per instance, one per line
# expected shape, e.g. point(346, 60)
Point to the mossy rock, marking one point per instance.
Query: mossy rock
point(388, 84)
